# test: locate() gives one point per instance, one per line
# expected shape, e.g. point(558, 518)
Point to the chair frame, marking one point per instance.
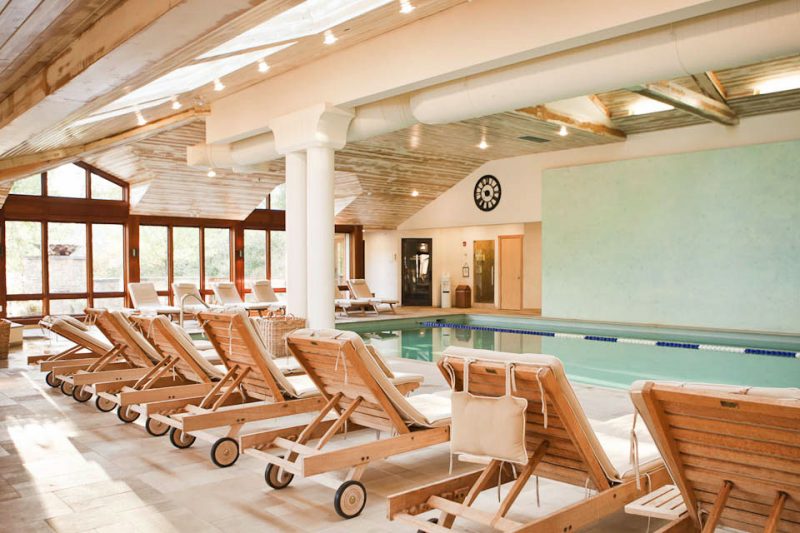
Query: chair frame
point(560, 451)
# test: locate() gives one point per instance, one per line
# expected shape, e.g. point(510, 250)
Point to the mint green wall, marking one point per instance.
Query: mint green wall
point(708, 239)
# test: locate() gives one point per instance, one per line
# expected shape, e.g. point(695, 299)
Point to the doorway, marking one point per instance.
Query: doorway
point(416, 272)
point(483, 267)
point(510, 272)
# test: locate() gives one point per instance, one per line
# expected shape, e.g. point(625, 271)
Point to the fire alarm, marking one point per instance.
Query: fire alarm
point(464, 244)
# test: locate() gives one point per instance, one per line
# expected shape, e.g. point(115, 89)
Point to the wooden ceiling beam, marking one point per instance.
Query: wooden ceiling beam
point(544, 114)
point(687, 100)
point(22, 166)
point(711, 86)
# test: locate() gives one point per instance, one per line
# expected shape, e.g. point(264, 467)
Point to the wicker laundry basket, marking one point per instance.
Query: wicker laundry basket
point(274, 329)
point(5, 337)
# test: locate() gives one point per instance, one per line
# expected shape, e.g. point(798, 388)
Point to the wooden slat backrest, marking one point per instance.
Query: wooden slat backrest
point(569, 457)
point(159, 332)
point(122, 339)
point(708, 437)
point(236, 346)
point(335, 367)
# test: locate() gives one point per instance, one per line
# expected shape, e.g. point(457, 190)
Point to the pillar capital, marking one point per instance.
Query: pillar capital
point(320, 125)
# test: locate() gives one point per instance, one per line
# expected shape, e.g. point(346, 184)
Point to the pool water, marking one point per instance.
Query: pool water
point(609, 364)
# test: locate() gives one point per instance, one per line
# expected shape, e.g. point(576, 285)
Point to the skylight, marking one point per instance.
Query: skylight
point(776, 85)
point(644, 106)
point(308, 18)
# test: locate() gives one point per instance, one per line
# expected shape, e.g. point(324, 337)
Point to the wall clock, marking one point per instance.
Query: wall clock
point(487, 193)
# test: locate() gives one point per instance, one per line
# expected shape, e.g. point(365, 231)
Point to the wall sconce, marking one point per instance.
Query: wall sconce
point(134, 252)
point(240, 254)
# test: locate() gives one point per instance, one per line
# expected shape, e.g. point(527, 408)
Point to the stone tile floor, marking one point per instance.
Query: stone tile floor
point(65, 466)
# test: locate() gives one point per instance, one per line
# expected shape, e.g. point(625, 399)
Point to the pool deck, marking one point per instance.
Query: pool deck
point(65, 466)
point(418, 312)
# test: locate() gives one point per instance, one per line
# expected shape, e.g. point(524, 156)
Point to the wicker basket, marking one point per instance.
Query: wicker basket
point(5, 337)
point(274, 329)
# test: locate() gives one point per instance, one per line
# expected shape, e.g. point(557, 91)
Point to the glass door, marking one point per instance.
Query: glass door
point(483, 267)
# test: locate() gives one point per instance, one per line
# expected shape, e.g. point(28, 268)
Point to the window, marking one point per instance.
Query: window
point(153, 256)
point(67, 181)
point(66, 257)
point(277, 258)
point(109, 303)
point(255, 256)
point(23, 308)
point(277, 198)
point(108, 254)
point(186, 255)
point(103, 189)
point(341, 255)
point(31, 186)
point(67, 307)
point(262, 205)
point(24, 258)
point(217, 254)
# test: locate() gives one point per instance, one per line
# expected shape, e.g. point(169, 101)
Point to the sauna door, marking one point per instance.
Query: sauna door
point(483, 268)
point(417, 271)
point(510, 272)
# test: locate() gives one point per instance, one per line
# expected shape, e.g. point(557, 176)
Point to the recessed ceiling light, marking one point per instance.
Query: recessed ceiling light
point(211, 173)
point(406, 7)
point(176, 104)
point(330, 38)
point(483, 145)
point(563, 131)
point(262, 66)
point(218, 85)
point(140, 120)
point(776, 85)
point(415, 193)
point(643, 106)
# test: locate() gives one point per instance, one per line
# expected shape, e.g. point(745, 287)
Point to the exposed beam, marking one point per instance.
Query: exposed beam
point(711, 86)
point(689, 101)
point(541, 112)
point(25, 165)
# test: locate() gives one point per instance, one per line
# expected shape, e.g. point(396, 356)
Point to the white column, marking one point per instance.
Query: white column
point(321, 276)
point(296, 245)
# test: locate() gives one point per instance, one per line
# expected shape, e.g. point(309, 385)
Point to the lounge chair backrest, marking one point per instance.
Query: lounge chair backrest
point(359, 288)
point(134, 347)
point(236, 340)
point(190, 291)
point(67, 329)
point(66, 318)
point(143, 295)
point(227, 294)
point(710, 434)
point(173, 341)
point(339, 362)
point(263, 292)
point(574, 454)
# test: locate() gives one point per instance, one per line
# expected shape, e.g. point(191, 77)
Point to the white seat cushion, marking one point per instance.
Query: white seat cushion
point(401, 378)
point(303, 386)
point(434, 407)
point(288, 365)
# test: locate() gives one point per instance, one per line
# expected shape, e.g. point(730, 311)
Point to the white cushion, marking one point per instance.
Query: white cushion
point(302, 385)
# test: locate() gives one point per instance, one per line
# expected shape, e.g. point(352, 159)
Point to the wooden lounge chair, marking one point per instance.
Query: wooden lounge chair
point(189, 300)
point(145, 299)
point(86, 348)
point(359, 289)
point(733, 452)
point(252, 388)
point(351, 305)
point(560, 443)
point(228, 297)
point(262, 290)
point(131, 359)
point(359, 391)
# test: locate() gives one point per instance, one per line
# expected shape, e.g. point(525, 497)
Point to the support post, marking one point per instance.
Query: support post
point(321, 276)
point(296, 244)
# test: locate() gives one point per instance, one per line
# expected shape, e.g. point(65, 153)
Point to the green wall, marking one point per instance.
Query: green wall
point(709, 239)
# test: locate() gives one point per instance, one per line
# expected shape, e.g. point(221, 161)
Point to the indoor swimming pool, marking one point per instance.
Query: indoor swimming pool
point(600, 354)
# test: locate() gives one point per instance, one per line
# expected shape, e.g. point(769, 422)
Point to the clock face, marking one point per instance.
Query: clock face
point(487, 193)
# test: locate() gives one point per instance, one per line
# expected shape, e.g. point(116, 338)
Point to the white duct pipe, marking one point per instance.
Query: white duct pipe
point(756, 32)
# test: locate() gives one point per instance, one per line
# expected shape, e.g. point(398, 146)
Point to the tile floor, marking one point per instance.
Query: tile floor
point(65, 466)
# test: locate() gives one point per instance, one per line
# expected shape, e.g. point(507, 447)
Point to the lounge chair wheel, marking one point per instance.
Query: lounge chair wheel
point(52, 380)
point(66, 388)
point(432, 521)
point(104, 404)
point(126, 414)
point(81, 395)
point(350, 499)
point(156, 428)
point(224, 452)
point(277, 478)
point(179, 439)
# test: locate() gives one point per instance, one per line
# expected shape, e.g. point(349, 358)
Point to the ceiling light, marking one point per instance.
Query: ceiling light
point(330, 38)
point(211, 173)
point(262, 66)
point(176, 104)
point(406, 7)
point(415, 193)
point(218, 85)
point(483, 145)
point(140, 120)
point(643, 106)
point(776, 85)
point(563, 131)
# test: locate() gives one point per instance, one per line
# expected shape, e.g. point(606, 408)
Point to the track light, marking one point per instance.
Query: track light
point(563, 131)
point(211, 173)
point(262, 66)
point(140, 120)
point(330, 38)
point(415, 193)
point(218, 85)
point(406, 7)
point(176, 104)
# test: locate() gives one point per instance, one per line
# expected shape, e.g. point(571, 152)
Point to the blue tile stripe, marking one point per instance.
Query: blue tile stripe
point(623, 340)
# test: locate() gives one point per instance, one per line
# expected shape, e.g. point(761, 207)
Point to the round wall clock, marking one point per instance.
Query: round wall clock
point(487, 193)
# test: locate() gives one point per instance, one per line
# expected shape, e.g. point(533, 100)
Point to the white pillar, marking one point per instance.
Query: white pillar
point(321, 273)
point(296, 217)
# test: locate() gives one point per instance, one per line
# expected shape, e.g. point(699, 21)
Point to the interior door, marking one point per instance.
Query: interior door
point(511, 272)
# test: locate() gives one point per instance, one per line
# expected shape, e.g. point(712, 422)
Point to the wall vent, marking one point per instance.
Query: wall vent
point(531, 138)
